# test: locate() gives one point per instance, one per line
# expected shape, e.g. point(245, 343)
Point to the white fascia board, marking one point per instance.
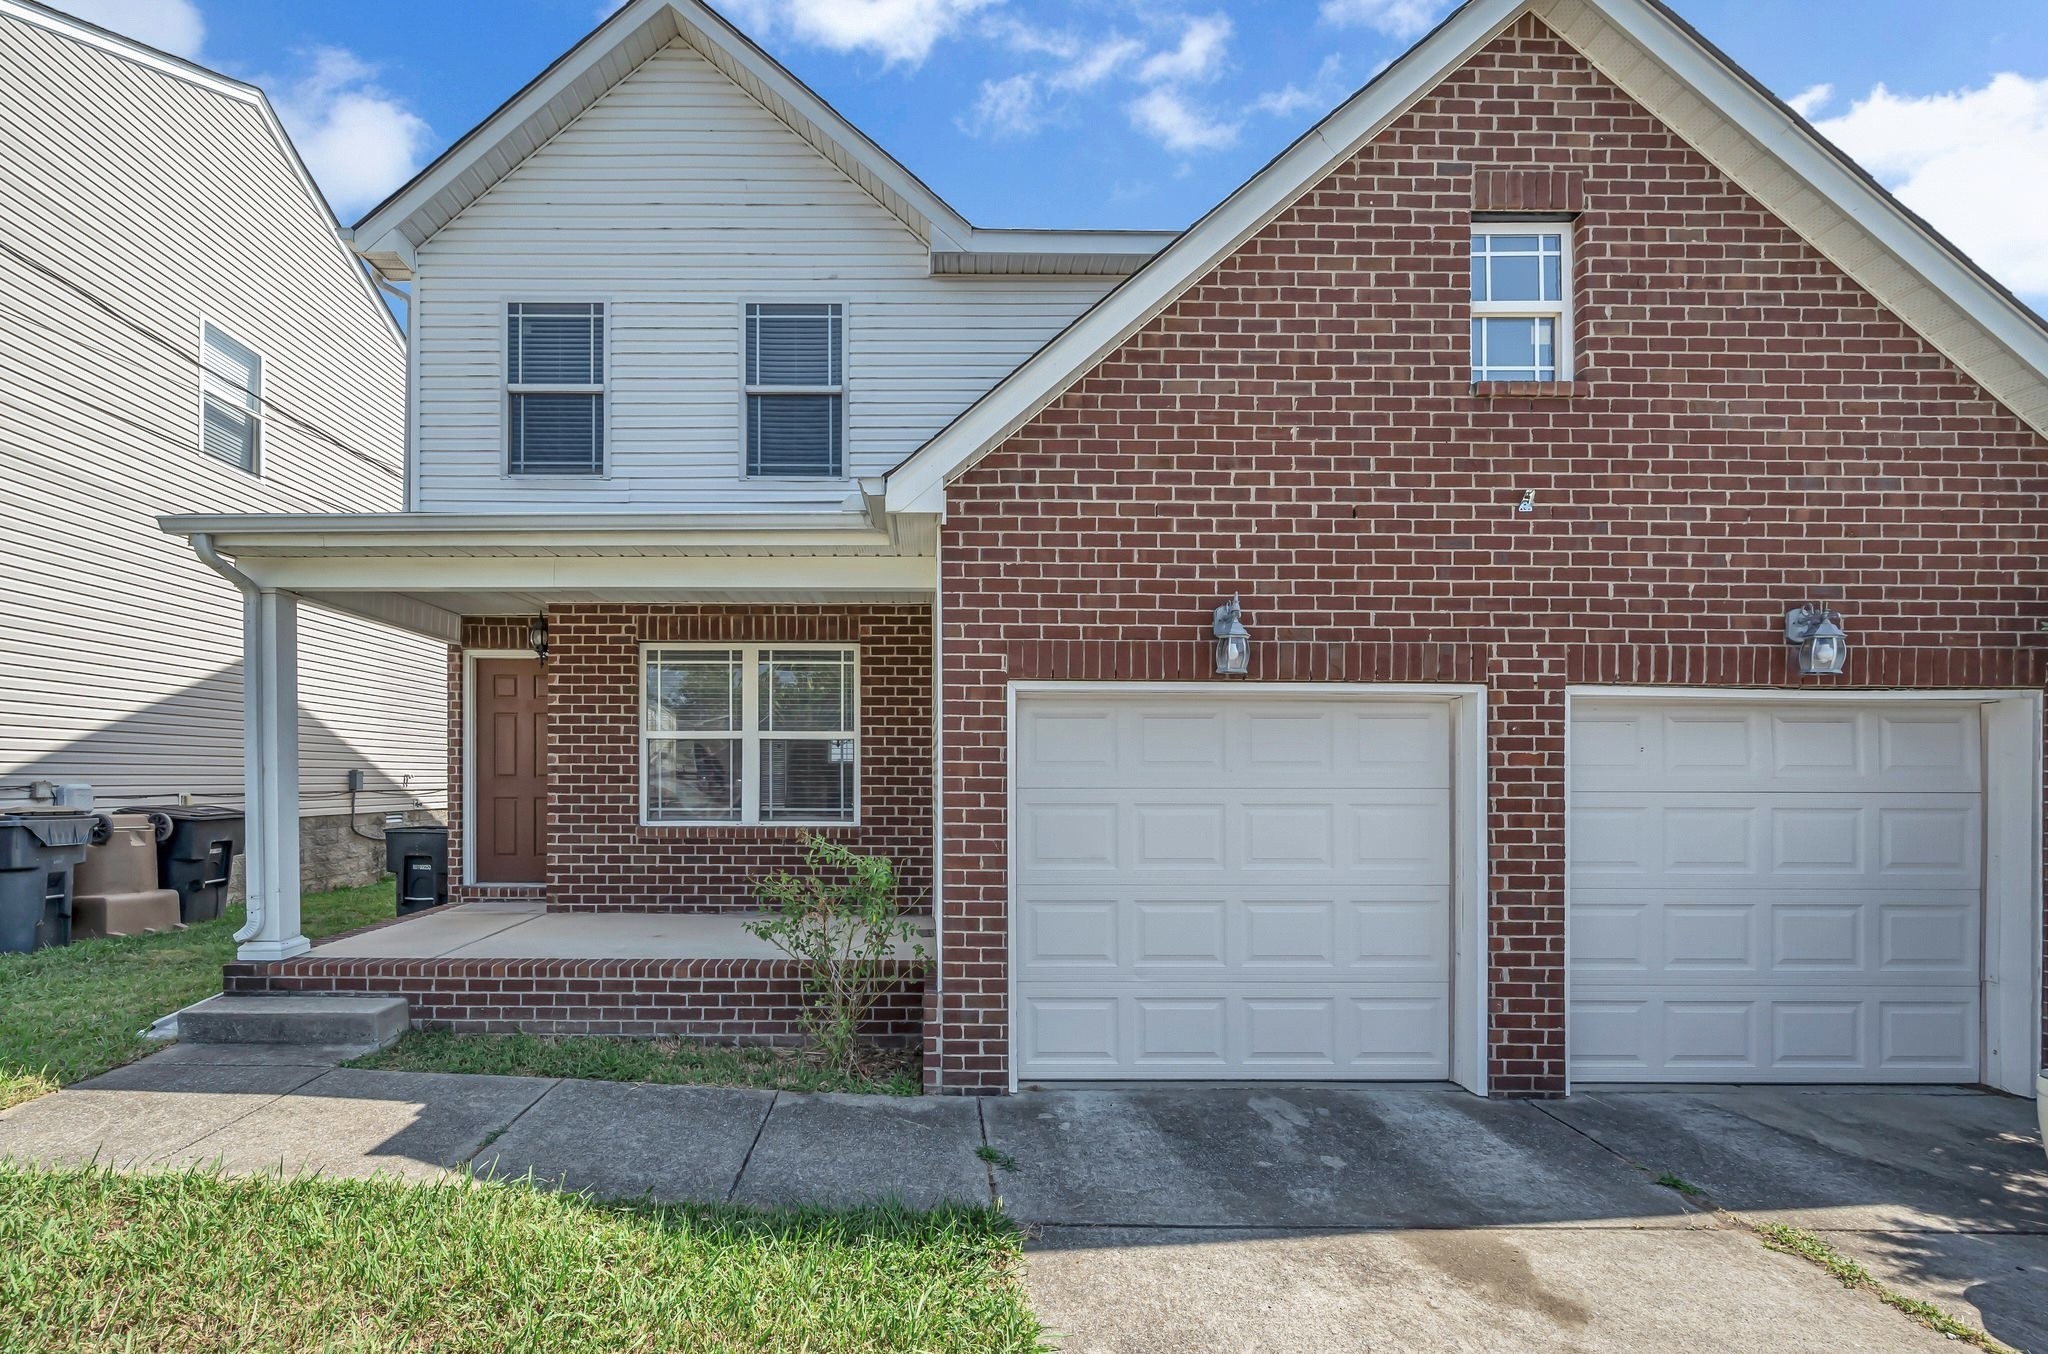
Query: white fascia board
point(1002, 240)
point(918, 484)
point(1799, 147)
point(426, 575)
point(398, 610)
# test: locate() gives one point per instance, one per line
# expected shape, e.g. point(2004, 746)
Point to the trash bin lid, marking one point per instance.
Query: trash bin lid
point(53, 827)
point(182, 812)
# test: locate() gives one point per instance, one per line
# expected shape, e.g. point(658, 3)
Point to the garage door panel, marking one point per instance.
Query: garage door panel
point(1767, 748)
point(1826, 840)
point(1130, 936)
point(1619, 936)
point(1775, 892)
point(1197, 1031)
point(1245, 742)
point(1235, 887)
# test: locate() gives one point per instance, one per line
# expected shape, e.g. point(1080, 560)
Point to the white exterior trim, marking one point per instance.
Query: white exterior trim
point(2013, 771)
point(469, 657)
point(1469, 851)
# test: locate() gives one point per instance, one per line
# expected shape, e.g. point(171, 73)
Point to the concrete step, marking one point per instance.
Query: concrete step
point(294, 1020)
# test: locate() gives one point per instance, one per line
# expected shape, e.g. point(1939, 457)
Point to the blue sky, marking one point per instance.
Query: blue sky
point(1138, 113)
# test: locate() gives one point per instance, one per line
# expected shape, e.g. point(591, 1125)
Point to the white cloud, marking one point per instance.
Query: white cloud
point(176, 26)
point(1811, 100)
point(1198, 57)
point(1166, 114)
point(1097, 63)
point(1964, 161)
point(1008, 107)
point(1395, 18)
point(1321, 94)
point(357, 139)
point(897, 30)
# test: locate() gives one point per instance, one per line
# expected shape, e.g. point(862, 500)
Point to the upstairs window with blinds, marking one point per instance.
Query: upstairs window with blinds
point(554, 382)
point(230, 399)
point(796, 391)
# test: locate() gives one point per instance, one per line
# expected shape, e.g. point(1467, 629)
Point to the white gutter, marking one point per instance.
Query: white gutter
point(202, 546)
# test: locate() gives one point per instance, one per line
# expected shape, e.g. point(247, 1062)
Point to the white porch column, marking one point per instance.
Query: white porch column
point(270, 771)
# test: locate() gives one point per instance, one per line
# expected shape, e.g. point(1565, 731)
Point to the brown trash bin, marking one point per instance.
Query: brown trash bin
point(114, 892)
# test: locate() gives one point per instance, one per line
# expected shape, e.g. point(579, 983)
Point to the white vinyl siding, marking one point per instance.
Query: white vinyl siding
point(119, 652)
point(750, 734)
point(554, 388)
point(679, 201)
point(230, 399)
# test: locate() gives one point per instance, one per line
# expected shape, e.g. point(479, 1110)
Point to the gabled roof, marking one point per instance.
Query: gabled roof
point(389, 234)
point(1661, 62)
point(177, 67)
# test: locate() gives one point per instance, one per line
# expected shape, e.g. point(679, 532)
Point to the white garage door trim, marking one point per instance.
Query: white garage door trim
point(2012, 924)
point(1467, 707)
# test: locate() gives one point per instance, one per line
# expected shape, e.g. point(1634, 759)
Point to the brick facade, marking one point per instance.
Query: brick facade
point(600, 857)
point(718, 1000)
point(1745, 428)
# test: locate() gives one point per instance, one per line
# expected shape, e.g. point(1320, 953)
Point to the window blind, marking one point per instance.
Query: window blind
point(554, 358)
point(795, 355)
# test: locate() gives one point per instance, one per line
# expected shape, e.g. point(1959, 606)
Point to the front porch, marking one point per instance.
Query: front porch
point(497, 966)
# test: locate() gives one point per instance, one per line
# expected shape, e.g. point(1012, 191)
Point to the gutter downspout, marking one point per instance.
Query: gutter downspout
point(202, 546)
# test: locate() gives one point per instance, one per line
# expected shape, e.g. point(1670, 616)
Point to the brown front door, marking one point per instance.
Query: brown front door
point(509, 740)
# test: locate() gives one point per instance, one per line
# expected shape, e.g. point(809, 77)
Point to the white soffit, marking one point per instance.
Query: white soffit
point(1745, 132)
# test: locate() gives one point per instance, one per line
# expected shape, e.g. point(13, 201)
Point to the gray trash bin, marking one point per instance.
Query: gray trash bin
point(419, 857)
point(38, 851)
point(195, 853)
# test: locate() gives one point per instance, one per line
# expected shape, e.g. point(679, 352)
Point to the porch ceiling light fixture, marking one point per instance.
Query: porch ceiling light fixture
point(537, 636)
point(1233, 641)
point(1814, 634)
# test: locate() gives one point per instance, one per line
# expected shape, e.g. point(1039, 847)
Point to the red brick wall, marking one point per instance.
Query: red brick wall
point(723, 1000)
point(1747, 428)
point(601, 858)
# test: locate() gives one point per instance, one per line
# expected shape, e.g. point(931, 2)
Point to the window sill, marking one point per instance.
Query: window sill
point(740, 831)
point(1526, 390)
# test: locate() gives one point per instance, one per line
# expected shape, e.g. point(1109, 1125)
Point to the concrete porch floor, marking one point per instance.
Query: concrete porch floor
point(525, 929)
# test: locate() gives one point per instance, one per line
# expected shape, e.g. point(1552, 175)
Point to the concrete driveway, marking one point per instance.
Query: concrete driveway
point(1218, 1219)
point(1366, 1220)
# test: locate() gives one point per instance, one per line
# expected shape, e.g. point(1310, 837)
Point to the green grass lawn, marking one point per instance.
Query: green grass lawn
point(91, 1260)
point(74, 1012)
point(666, 1061)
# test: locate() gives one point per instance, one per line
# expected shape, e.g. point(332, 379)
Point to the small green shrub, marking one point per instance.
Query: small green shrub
point(843, 919)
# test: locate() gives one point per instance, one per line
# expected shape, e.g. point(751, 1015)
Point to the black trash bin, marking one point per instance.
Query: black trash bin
point(419, 857)
point(38, 851)
point(195, 855)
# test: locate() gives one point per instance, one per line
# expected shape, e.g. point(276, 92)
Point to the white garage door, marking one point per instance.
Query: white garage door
point(1775, 892)
point(1226, 887)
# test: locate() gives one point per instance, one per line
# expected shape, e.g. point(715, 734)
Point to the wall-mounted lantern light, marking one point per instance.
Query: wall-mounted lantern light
point(537, 637)
point(1814, 633)
point(1233, 641)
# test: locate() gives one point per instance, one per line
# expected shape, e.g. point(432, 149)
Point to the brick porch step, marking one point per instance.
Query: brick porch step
point(308, 1019)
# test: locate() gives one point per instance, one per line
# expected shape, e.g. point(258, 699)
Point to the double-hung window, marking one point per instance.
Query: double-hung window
point(230, 398)
point(796, 390)
point(749, 734)
point(554, 383)
point(1521, 304)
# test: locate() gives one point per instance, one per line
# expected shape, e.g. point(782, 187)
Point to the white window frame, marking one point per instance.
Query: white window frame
point(206, 375)
point(750, 735)
point(602, 390)
point(1558, 311)
point(747, 389)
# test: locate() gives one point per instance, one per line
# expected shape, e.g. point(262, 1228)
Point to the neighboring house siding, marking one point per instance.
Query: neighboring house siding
point(601, 858)
point(676, 199)
point(1748, 429)
point(163, 201)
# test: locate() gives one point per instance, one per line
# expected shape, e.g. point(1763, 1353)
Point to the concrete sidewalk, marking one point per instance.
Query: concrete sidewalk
point(1199, 1219)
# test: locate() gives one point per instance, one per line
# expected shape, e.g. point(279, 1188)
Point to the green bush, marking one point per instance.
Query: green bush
point(843, 919)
